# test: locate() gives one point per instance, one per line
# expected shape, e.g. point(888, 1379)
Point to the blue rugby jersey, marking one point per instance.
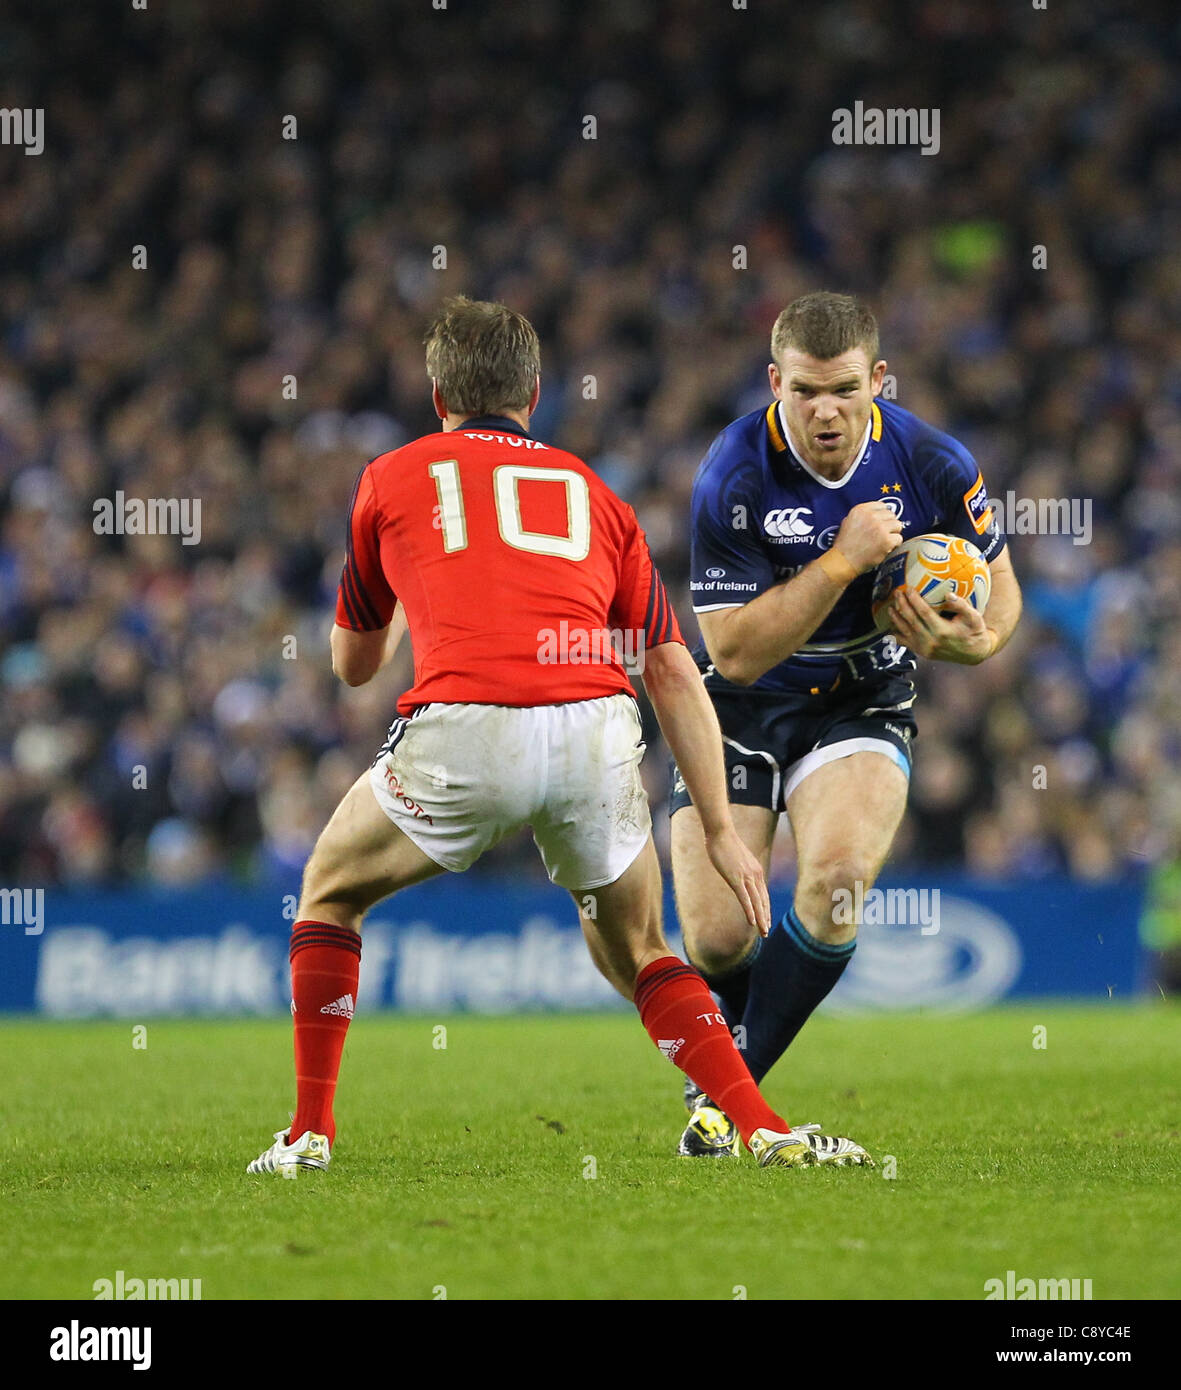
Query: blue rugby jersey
point(760, 514)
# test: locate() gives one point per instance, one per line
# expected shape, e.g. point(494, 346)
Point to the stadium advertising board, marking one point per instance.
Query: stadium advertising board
point(483, 946)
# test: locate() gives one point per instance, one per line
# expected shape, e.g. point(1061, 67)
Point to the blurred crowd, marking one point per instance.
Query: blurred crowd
point(167, 712)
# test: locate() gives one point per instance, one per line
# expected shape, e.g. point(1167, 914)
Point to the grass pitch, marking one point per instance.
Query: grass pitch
point(533, 1158)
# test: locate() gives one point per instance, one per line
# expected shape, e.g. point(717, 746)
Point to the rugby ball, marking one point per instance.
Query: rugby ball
point(935, 567)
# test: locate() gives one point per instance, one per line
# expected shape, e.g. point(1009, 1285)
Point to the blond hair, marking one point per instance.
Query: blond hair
point(484, 357)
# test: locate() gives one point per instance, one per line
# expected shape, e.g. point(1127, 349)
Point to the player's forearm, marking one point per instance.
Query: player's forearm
point(1004, 608)
point(759, 635)
point(358, 656)
point(690, 728)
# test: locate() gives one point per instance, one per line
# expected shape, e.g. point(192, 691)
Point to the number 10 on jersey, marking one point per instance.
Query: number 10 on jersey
point(506, 482)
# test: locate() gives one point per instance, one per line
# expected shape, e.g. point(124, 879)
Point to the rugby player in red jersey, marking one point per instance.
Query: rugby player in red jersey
point(513, 564)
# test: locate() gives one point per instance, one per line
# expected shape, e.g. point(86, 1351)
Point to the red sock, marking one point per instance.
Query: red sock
point(683, 1021)
point(325, 967)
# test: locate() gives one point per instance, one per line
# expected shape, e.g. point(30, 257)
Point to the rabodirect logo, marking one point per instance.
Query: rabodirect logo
point(970, 963)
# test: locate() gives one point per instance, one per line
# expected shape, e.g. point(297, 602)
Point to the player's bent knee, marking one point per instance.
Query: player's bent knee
point(718, 951)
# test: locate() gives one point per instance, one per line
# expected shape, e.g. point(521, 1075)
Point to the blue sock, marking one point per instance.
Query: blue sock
point(732, 986)
point(793, 974)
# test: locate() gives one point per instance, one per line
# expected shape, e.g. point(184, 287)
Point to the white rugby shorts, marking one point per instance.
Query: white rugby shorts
point(457, 778)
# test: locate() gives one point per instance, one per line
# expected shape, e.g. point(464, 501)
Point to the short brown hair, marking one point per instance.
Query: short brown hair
point(484, 357)
point(825, 325)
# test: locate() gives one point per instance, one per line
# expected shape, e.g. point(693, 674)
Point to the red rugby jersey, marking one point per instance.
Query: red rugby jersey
point(522, 575)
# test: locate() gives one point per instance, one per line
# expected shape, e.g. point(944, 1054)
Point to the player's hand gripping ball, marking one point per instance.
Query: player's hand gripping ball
point(934, 567)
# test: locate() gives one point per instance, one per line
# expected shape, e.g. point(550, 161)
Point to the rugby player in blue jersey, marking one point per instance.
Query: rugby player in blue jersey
point(793, 508)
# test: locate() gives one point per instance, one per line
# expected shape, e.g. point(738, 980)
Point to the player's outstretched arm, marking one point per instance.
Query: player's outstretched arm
point(690, 728)
point(745, 643)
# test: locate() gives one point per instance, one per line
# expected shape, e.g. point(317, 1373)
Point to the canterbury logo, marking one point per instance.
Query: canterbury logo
point(342, 1007)
point(670, 1046)
point(788, 521)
